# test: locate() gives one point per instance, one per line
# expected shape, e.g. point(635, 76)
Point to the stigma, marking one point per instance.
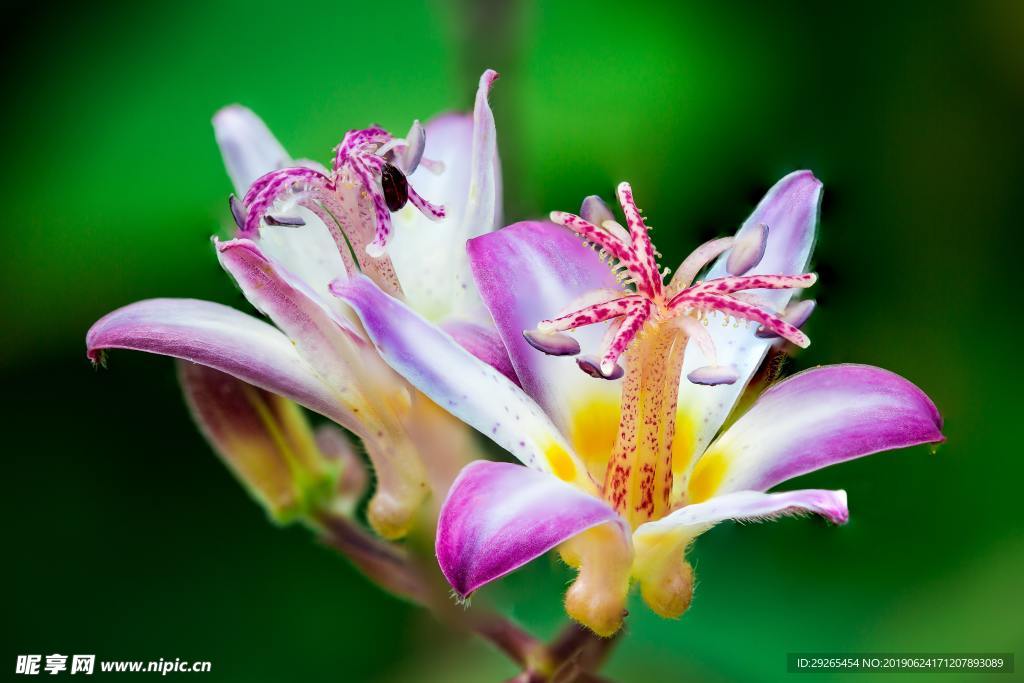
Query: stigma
point(645, 302)
point(368, 180)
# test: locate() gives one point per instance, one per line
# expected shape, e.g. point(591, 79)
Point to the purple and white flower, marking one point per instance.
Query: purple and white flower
point(301, 226)
point(621, 477)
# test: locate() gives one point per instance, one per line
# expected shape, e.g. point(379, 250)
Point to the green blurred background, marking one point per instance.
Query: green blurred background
point(128, 539)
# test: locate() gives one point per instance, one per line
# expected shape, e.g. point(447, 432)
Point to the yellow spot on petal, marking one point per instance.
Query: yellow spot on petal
point(593, 428)
point(561, 462)
point(707, 477)
point(683, 443)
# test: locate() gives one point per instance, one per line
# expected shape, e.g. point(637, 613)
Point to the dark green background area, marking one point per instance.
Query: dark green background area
point(125, 537)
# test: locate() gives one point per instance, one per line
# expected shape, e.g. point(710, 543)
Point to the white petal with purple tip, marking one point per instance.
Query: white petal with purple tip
point(814, 419)
point(790, 210)
point(221, 338)
point(692, 520)
point(499, 516)
point(247, 145)
point(429, 257)
point(462, 384)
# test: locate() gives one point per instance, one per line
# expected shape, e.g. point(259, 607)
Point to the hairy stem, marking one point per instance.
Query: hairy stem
point(571, 657)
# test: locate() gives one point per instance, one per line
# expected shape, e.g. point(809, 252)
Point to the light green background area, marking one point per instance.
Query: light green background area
point(127, 538)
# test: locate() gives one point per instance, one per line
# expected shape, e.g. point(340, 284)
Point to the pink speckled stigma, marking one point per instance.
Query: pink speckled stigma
point(350, 195)
point(646, 301)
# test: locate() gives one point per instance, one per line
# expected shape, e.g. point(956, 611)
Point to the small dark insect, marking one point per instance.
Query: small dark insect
point(396, 187)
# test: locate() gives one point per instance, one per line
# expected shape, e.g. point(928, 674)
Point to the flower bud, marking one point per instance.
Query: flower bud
point(353, 478)
point(263, 438)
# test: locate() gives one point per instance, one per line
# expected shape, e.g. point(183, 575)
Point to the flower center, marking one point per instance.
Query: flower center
point(367, 181)
point(650, 326)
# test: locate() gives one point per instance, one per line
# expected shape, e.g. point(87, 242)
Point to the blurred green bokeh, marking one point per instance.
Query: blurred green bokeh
point(128, 539)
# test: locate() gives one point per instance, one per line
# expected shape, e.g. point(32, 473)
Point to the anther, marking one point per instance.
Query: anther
point(237, 211)
point(713, 375)
point(592, 366)
point(796, 314)
point(284, 221)
point(552, 343)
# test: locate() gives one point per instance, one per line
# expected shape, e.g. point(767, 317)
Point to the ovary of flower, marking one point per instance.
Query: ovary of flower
point(652, 303)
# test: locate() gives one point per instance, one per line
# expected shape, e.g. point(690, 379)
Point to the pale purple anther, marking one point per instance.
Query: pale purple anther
point(416, 142)
point(592, 366)
point(796, 314)
point(552, 343)
point(748, 250)
point(713, 375)
point(595, 211)
point(284, 221)
point(237, 211)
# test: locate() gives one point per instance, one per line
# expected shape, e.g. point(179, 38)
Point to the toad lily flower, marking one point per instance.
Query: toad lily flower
point(300, 227)
point(619, 475)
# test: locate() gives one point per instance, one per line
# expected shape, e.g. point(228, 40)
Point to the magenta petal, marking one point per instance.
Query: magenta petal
point(528, 272)
point(219, 337)
point(499, 516)
point(821, 417)
point(484, 343)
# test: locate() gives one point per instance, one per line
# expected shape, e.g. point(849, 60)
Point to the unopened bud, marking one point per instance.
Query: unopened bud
point(263, 438)
point(353, 478)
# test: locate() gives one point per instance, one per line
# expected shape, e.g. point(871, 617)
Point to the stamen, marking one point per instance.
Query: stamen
point(237, 211)
point(796, 314)
point(730, 284)
point(553, 344)
point(729, 305)
point(696, 261)
point(359, 160)
point(654, 327)
point(416, 142)
point(595, 211)
point(592, 366)
point(284, 221)
point(595, 313)
point(713, 375)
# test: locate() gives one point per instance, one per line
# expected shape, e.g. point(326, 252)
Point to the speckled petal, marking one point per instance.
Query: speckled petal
point(433, 362)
